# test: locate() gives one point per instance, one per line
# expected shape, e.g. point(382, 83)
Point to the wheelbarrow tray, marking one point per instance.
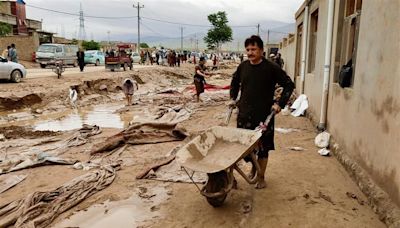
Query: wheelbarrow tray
point(218, 148)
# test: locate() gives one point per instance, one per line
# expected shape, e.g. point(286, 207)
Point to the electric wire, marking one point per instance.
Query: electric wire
point(133, 17)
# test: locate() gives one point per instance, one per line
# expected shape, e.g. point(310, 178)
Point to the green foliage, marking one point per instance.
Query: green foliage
point(220, 33)
point(90, 45)
point(5, 29)
point(144, 45)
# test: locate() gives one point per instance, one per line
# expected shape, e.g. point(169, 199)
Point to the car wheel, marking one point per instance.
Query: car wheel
point(42, 65)
point(97, 62)
point(16, 76)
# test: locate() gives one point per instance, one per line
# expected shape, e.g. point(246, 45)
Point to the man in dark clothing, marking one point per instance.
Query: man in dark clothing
point(81, 59)
point(256, 79)
point(279, 60)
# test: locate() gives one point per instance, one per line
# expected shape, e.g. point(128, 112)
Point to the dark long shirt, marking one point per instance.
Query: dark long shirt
point(257, 85)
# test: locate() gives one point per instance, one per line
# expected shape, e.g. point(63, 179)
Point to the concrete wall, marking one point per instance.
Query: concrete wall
point(364, 119)
point(288, 52)
point(25, 45)
point(313, 81)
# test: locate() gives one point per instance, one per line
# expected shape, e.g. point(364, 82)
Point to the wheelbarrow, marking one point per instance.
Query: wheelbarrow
point(217, 152)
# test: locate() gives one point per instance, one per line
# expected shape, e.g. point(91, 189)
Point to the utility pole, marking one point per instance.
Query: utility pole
point(181, 38)
point(108, 35)
point(82, 32)
point(258, 29)
point(138, 6)
point(62, 31)
point(267, 42)
point(197, 42)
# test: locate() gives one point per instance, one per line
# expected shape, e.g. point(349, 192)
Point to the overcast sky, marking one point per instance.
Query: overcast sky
point(269, 13)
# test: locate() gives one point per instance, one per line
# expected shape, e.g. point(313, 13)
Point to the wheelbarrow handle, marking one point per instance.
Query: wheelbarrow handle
point(267, 120)
point(228, 115)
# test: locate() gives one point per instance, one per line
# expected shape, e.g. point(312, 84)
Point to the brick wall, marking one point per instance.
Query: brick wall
point(25, 45)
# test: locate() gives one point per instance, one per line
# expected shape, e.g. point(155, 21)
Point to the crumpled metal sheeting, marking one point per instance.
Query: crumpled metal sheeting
point(39, 209)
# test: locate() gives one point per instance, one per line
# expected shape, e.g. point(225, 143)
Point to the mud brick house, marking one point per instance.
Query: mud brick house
point(27, 34)
point(364, 115)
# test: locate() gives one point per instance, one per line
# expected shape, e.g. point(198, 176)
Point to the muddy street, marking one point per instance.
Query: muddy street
point(80, 165)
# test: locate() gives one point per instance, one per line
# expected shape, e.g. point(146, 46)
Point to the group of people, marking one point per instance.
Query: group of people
point(10, 53)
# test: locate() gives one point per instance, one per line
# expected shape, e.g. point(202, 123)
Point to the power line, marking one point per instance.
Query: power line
point(176, 23)
point(162, 35)
point(197, 25)
point(77, 14)
point(132, 17)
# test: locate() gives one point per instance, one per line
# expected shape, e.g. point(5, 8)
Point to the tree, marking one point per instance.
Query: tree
point(5, 29)
point(220, 33)
point(90, 45)
point(144, 45)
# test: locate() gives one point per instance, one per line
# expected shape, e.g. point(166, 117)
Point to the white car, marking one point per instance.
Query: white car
point(135, 57)
point(11, 71)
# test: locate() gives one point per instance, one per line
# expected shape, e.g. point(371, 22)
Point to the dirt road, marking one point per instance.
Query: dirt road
point(47, 72)
point(304, 189)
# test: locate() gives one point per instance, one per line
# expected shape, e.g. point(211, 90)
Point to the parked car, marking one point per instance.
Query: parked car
point(47, 54)
point(94, 57)
point(11, 71)
point(135, 57)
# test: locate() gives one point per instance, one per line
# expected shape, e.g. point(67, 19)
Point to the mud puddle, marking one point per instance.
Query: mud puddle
point(140, 209)
point(101, 115)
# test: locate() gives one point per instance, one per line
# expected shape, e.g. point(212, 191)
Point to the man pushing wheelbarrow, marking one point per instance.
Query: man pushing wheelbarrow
point(256, 79)
point(219, 150)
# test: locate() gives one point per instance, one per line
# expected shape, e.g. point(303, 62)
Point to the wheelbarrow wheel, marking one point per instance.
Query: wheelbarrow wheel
point(217, 182)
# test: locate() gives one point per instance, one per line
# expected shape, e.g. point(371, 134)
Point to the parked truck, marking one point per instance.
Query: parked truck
point(118, 59)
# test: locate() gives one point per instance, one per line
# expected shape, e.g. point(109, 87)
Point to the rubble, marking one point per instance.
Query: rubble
point(39, 209)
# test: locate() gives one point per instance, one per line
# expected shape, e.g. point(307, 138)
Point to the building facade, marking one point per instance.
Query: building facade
point(363, 116)
point(13, 12)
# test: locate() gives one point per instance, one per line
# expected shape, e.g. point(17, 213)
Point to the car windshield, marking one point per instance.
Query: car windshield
point(47, 48)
